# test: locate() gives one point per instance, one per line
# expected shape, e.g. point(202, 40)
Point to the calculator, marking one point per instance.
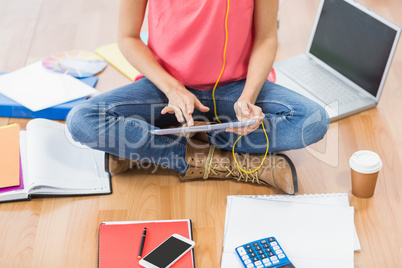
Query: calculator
point(263, 253)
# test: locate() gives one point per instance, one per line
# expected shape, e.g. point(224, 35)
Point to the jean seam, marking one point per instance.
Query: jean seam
point(282, 118)
point(113, 105)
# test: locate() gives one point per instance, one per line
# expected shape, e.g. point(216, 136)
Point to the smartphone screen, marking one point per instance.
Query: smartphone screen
point(167, 252)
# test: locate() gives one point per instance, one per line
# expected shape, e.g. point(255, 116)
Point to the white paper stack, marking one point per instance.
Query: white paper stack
point(314, 230)
point(37, 88)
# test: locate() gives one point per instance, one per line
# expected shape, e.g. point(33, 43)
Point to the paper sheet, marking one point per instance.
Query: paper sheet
point(56, 162)
point(111, 53)
point(37, 88)
point(334, 199)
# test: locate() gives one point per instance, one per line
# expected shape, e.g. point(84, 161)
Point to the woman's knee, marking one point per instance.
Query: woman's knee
point(315, 126)
point(83, 122)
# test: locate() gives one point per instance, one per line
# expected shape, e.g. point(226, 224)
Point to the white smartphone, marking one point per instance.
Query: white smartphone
point(167, 253)
point(209, 127)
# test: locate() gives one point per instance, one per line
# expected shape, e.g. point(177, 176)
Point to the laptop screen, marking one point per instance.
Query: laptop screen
point(353, 43)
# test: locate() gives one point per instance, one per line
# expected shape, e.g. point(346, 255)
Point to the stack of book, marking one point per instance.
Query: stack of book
point(35, 92)
point(10, 168)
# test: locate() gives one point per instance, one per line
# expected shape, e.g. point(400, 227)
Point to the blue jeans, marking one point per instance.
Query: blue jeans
point(119, 122)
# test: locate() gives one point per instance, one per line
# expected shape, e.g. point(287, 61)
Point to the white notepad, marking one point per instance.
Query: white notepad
point(312, 235)
point(334, 199)
point(37, 88)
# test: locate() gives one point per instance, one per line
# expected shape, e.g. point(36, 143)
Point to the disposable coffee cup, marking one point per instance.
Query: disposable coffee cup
point(365, 166)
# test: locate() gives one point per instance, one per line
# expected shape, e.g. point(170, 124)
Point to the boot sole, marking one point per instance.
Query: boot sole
point(294, 174)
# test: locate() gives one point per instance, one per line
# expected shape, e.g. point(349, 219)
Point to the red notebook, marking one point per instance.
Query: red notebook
point(119, 242)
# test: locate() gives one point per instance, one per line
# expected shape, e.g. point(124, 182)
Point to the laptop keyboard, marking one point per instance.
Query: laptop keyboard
point(318, 81)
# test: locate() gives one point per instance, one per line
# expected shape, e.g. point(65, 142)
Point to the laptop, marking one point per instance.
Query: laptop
point(347, 60)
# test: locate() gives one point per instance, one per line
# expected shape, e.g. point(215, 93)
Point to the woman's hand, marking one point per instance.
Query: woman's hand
point(182, 103)
point(245, 110)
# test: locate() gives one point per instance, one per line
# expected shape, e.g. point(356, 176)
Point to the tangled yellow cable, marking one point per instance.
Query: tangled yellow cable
point(213, 97)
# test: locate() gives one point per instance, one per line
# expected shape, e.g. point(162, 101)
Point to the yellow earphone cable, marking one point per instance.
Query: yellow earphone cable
point(224, 61)
point(213, 97)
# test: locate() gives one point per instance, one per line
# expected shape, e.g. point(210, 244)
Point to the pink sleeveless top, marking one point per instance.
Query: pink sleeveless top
point(187, 38)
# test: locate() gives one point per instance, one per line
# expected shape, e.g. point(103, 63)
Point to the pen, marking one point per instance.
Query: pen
point(144, 233)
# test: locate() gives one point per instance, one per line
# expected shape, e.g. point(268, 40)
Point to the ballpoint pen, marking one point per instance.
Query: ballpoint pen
point(144, 233)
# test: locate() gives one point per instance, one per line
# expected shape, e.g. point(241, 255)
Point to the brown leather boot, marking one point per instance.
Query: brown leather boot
point(206, 161)
point(116, 164)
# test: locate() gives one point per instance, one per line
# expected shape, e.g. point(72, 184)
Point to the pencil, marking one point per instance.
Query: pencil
point(144, 233)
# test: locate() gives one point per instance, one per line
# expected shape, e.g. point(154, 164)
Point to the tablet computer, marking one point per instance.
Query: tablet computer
point(210, 127)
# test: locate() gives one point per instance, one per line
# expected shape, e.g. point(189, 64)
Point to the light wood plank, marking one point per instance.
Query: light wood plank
point(17, 27)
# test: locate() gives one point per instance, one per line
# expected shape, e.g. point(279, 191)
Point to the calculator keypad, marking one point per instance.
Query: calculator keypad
point(262, 253)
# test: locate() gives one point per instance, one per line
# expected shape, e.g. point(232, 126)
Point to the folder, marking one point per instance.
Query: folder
point(10, 108)
point(119, 242)
point(112, 54)
point(9, 156)
point(18, 187)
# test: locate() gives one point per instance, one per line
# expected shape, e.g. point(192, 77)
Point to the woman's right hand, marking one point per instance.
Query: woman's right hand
point(182, 103)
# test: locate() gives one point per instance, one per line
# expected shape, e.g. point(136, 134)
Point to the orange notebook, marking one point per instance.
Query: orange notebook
point(119, 242)
point(9, 155)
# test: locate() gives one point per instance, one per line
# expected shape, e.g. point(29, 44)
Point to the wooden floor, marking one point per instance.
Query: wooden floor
point(62, 232)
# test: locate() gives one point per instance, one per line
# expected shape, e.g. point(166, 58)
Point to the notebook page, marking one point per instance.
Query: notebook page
point(299, 228)
point(231, 260)
point(55, 162)
point(336, 199)
point(340, 199)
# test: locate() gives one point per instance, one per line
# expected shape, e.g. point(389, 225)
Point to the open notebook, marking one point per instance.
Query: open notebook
point(313, 230)
point(53, 164)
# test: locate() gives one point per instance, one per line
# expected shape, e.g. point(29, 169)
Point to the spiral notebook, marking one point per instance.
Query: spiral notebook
point(314, 230)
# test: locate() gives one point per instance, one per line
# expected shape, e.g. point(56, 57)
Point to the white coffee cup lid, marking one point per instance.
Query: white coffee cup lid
point(366, 162)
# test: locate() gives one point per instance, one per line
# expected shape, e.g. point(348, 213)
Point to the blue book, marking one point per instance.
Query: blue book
point(10, 108)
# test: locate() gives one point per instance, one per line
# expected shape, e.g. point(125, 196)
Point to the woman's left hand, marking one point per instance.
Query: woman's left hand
point(245, 110)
